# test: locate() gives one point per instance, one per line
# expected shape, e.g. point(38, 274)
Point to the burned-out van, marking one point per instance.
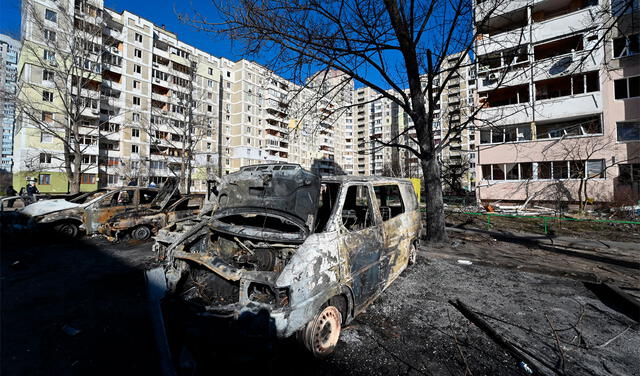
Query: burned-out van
point(313, 252)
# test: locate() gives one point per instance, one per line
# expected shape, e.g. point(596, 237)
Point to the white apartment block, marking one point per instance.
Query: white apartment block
point(9, 51)
point(559, 98)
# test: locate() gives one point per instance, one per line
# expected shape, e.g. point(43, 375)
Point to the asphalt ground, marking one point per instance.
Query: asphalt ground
point(79, 308)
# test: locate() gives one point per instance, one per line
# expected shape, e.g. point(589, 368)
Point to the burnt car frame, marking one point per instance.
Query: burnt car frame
point(89, 210)
point(143, 222)
point(312, 253)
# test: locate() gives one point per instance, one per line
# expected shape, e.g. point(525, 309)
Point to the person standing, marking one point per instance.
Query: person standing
point(32, 190)
point(10, 192)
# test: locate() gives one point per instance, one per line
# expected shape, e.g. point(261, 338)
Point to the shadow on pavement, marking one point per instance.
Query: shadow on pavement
point(72, 307)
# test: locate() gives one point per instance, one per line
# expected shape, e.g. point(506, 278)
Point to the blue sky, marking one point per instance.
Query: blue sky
point(158, 11)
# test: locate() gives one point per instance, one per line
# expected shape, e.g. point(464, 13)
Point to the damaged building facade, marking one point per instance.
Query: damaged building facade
point(560, 108)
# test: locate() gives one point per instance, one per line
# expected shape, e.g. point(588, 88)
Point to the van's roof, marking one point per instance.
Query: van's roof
point(364, 179)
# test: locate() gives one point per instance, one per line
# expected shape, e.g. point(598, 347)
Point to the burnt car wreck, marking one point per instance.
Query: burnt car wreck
point(142, 222)
point(311, 252)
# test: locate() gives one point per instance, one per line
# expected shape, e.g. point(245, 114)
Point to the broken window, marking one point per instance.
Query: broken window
point(544, 170)
point(389, 201)
point(560, 170)
point(486, 172)
point(498, 172)
point(577, 127)
point(526, 170)
point(357, 213)
point(512, 171)
point(576, 169)
point(147, 195)
point(328, 197)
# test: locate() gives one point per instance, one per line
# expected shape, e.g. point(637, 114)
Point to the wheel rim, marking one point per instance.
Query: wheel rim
point(141, 233)
point(326, 331)
point(413, 254)
point(68, 230)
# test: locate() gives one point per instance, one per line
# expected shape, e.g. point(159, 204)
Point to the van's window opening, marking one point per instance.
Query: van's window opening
point(389, 201)
point(357, 213)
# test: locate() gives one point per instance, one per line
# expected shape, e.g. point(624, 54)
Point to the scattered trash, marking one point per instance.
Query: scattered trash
point(455, 244)
point(525, 367)
point(464, 262)
point(70, 331)
point(17, 265)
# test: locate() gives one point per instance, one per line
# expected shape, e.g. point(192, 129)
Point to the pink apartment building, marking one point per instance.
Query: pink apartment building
point(559, 90)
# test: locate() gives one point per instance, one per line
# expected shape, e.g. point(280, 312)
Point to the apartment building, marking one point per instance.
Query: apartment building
point(9, 51)
point(558, 105)
point(378, 120)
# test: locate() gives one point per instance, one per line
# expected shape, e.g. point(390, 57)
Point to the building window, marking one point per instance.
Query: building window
point(137, 53)
point(626, 46)
point(47, 117)
point(45, 158)
point(137, 69)
point(628, 131)
point(135, 149)
point(50, 35)
point(627, 87)
point(136, 101)
point(210, 71)
point(595, 169)
point(49, 56)
point(135, 132)
point(44, 179)
point(112, 179)
point(135, 117)
point(47, 96)
point(136, 84)
point(50, 15)
point(138, 38)
point(629, 173)
point(47, 75)
point(88, 179)
point(46, 137)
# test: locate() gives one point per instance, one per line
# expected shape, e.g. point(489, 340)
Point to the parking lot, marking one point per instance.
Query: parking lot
point(79, 307)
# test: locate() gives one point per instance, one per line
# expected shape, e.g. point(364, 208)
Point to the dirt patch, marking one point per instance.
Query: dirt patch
point(584, 229)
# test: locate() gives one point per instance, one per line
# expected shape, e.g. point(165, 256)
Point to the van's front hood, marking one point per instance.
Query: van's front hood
point(48, 207)
point(294, 192)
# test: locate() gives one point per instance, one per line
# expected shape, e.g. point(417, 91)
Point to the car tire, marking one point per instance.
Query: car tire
point(141, 233)
point(320, 335)
point(68, 229)
point(413, 254)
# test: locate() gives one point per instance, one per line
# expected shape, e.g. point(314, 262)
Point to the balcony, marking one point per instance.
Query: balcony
point(577, 105)
point(570, 63)
point(562, 25)
point(112, 67)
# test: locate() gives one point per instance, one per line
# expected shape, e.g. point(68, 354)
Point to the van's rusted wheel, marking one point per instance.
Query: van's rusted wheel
point(141, 233)
point(321, 334)
point(68, 229)
point(413, 254)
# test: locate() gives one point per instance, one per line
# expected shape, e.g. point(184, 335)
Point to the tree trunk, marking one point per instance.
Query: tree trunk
point(436, 232)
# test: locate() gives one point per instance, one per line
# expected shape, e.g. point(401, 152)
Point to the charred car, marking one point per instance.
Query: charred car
point(312, 252)
point(89, 210)
point(142, 222)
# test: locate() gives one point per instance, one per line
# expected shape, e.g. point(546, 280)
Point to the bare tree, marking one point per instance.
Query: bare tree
point(59, 94)
point(399, 44)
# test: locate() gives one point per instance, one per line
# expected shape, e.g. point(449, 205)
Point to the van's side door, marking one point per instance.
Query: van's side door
point(361, 243)
point(396, 232)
